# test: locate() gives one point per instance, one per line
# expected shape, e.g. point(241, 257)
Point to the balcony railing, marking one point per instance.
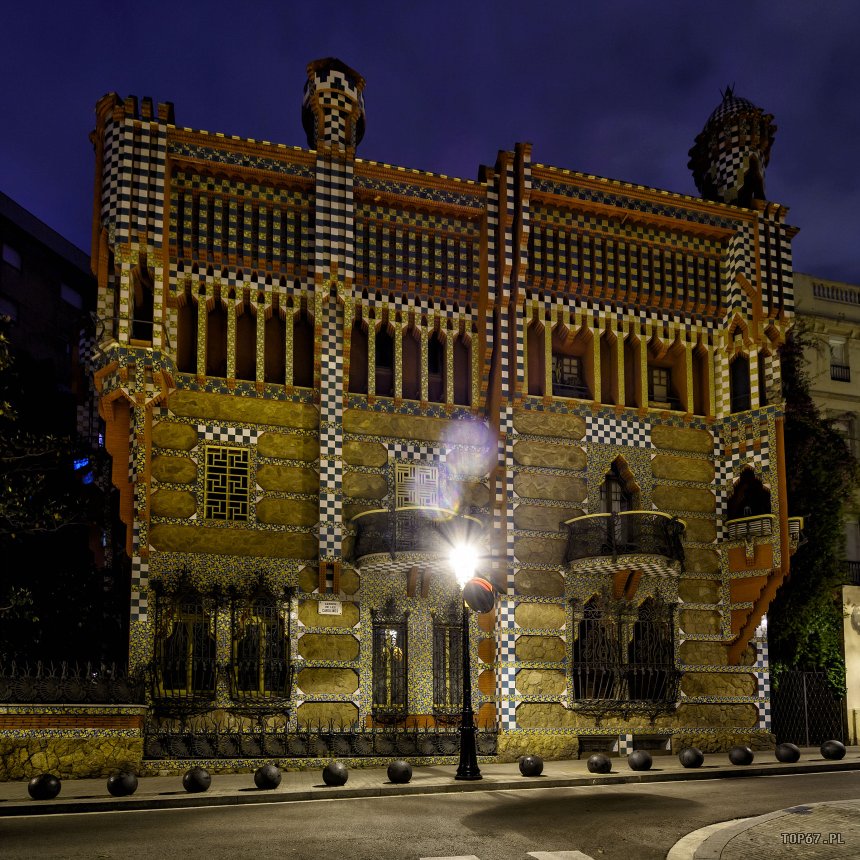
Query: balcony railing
point(570, 388)
point(760, 525)
point(840, 372)
point(852, 572)
point(625, 533)
point(428, 530)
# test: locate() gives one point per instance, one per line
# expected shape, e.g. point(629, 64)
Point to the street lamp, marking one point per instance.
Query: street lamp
point(464, 559)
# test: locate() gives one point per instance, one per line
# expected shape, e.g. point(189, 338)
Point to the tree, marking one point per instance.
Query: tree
point(805, 617)
point(51, 591)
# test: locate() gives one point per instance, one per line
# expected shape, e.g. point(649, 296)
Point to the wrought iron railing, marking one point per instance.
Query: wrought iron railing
point(625, 533)
point(840, 372)
point(852, 572)
point(69, 683)
point(321, 741)
point(411, 529)
point(760, 525)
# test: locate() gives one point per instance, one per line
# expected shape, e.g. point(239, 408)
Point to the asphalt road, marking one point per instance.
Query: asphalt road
point(624, 822)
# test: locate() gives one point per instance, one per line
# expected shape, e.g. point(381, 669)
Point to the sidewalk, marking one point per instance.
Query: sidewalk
point(164, 792)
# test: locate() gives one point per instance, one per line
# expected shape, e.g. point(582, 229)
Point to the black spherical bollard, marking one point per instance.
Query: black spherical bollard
point(834, 750)
point(267, 776)
point(741, 755)
point(787, 753)
point(196, 779)
point(639, 760)
point(531, 765)
point(399, 772)
point(45, 786)
point(691, 757)
point(599, 763)
point(335, 773)
point(122, 784)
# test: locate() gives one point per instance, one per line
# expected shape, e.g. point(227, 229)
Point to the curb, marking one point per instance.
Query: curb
point(181, 800)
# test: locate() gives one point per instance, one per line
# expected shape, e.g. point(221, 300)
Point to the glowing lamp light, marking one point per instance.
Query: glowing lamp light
point(463, 559)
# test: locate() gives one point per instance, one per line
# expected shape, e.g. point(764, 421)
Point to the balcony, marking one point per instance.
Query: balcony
point(648, 540)
point(408, 535)
point(570, 388)
point(749, 528)
point(840, 372)
point(852, 572)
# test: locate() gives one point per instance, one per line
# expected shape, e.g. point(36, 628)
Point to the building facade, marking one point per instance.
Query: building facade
point(318, 372)
point(830, 311)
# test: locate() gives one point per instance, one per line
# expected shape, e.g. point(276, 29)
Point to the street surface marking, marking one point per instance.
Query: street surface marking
point(560, 855)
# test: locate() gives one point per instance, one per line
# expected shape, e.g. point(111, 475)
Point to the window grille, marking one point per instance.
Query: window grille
point(447, 668)
point(389, 668)
point(260, 650)
point(227, 481)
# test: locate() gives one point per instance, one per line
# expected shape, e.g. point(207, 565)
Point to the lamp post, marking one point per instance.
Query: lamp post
point(463, 560)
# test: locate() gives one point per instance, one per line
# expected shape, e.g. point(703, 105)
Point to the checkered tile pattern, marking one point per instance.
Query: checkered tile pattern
point(608, 429)
point(762, 675)
point(228, 435)
point(506, 673)
point(331, 432)
point(625, 744)
point(139, 580)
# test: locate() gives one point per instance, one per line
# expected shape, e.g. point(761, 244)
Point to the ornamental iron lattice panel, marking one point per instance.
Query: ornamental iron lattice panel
point(624, 657)
point(625, 533)
point(308, 742)
point(93, 683)
point(805, 710)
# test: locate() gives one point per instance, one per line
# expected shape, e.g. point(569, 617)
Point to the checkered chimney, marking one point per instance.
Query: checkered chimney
point(333, 106)
point(731, 153)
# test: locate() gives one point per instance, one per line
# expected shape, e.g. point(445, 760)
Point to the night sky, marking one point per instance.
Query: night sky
point(616, 88)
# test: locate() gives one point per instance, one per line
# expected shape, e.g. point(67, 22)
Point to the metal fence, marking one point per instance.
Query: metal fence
point(93, 683)
point(805, 711)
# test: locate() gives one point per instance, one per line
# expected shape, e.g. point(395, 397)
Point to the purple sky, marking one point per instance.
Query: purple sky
point(618, 88)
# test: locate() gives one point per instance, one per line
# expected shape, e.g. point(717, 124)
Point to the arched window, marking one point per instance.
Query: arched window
point(143, 284)
point(462, 371)
point(216, 339)
point(749, 498)
point(536, 355)
point(185, 636)
point(436, 368)
point(384, 361)
point(650, 669)
point(596, 654)
point(260, 660)
point(246, 341)
point(390, 651)
point(608, 368)
point(274, 339)
point(303, 350)
point(572, 363)
point(358, 358)
point(618, 492)
point(186, 335)
point(701, 386)
point(739, 382)
point(762, 378)
point(632, 372)
point(448, 661)
point(411, 364)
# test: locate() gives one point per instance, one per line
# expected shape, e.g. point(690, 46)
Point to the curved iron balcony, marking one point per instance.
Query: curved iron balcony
point(610, 541)
point(760, 525)
point(412, 532)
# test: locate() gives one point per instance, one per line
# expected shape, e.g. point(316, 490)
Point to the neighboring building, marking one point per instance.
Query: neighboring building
point(831, 311)
point(48, 291)
point(316, 368)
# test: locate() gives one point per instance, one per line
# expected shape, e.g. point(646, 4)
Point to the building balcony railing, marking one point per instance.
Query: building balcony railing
point(429, 531)
point(628, 533)
point(570, 388)
point(745, 528)
point(840, 372)
point(852, 572)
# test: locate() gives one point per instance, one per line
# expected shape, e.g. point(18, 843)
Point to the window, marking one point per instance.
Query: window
point(70, 296)
point(623, 655)
point(260, 660)
point(11, 256)
point(184, 646)
point(358, 358)
point(227, 481)
point(660, 386)
point(567, 377)
point(839, 367)
point(389, 667)
point(846, 425)
point(447, 665)
point(384, 362)
point(739, 384)
point(8, 308)
point(436, 369)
